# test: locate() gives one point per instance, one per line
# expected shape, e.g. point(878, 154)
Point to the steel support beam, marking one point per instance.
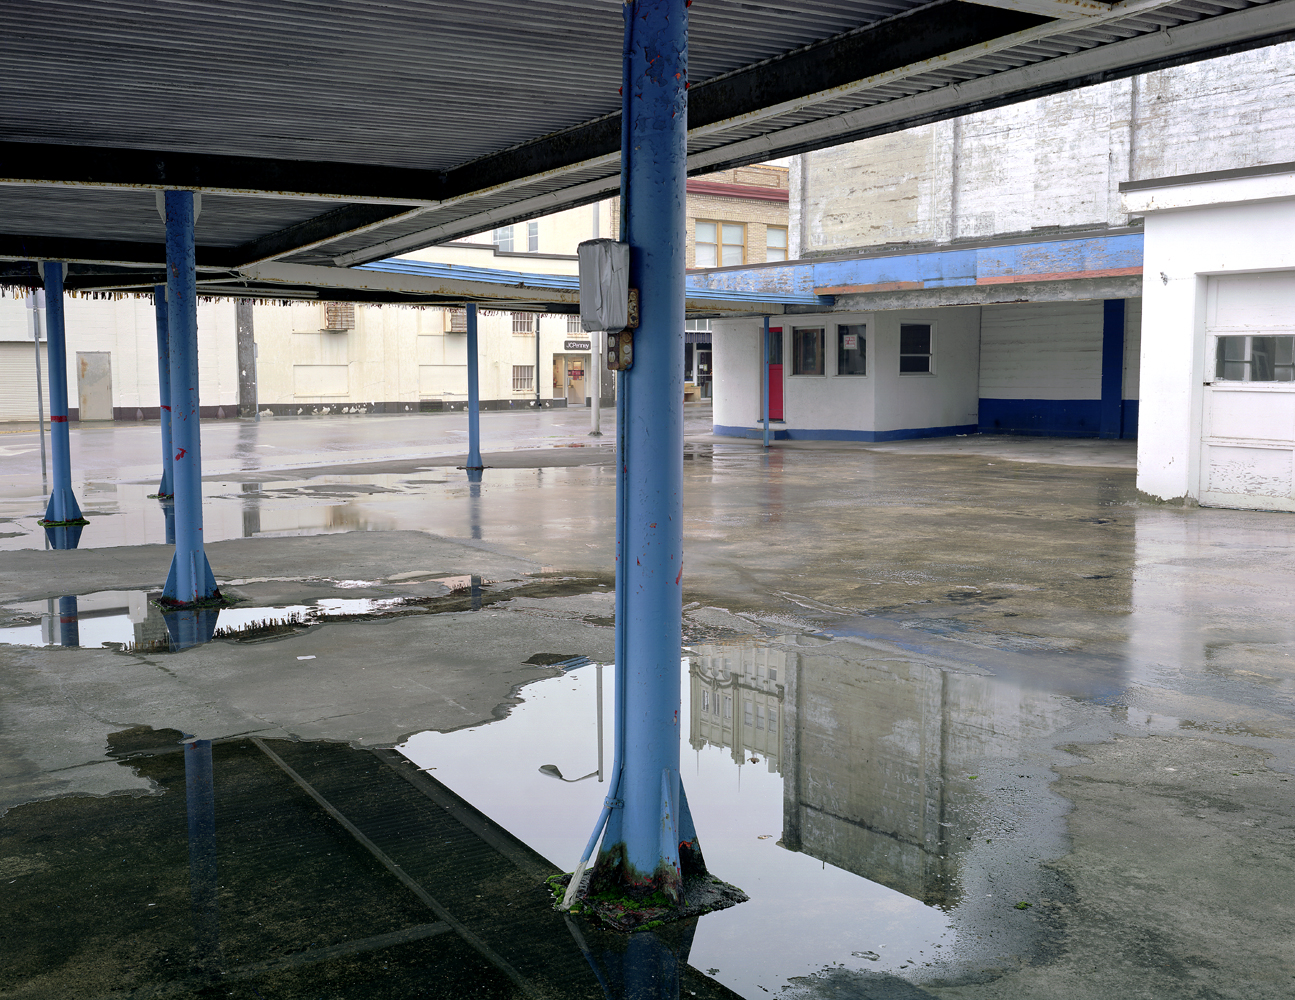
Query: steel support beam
point(62, 509)
point(474, 393)
point(648, 841)
point(190, 579)
point(165, 489)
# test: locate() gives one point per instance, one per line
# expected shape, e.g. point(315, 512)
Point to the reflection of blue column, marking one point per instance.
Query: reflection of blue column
point(200, 799)
point(62, 508)
point(69, 631)
point(190, 578)
point(474, 501)
point(164, 489)
point(63, 537)
point(644, 965)
point(474, 392)
point(190, 626)
point(641, 844)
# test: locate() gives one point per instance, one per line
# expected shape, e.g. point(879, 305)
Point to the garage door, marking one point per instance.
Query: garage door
point(18, 380)
point(1248, 416)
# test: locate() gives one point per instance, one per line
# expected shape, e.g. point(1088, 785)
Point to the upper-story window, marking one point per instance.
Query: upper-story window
point(339, 316)
point(503, 239)
point(458, 321)
point(719, 244)
point(523, 322)
point(775, 243)
point(573, 323)
point(533, 237)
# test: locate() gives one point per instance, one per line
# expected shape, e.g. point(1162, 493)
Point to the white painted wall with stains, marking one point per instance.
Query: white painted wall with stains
point(1048, 164)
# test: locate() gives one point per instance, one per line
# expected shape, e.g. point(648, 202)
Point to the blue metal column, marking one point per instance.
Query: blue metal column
point(474, 392)
point(764, 385)
point(63, 508)
point(190, 579)
point(1112, 418)
point(164, 489)
point(641, 846)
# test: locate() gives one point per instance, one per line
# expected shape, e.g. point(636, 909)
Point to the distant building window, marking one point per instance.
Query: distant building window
point(458, 321)
point(719, 244)
point(746, 713)
point(914, 348)
point(339, 316)
point(533, 237)
point(705, 701)
point(573, 323)
point(773, 673)
point(759, 716)
point(523, 378)
point(807, 352)
point(773, 719)
point(523, 323)
point(697, 326)
point(1255, 359)
point(851, 350)
point(775, 243)
point(728, 707)
point(503, 238)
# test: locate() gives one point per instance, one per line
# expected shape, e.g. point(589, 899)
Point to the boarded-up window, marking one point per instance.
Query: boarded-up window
point(320, 380)
point(339, 316)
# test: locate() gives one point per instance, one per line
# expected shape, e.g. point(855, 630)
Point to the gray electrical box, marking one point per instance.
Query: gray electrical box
point(604, 285)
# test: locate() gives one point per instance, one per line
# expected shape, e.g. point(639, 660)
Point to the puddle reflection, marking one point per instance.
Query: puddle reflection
point(832, 782)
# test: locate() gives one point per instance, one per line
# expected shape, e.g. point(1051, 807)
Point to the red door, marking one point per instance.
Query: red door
point(775, 373)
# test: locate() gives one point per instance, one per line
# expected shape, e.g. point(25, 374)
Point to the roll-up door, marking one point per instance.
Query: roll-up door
point(18, 380)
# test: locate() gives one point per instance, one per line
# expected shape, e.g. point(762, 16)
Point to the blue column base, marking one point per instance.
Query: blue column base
point(208, 593)
point(62, 501)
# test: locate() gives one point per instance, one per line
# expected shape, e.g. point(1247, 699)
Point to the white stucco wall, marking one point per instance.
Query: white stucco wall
point(856, 407)
point(1183, 247)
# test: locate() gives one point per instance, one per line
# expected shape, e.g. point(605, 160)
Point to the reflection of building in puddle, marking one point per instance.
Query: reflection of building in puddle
point(878, 754)
point(736, 694)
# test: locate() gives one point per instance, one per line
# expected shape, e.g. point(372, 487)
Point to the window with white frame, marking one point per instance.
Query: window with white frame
point(503, 238)
point(458, 321)
point(851, 349)
point(775, 243)
point(705, 701)
point(573, 323)
point(719, 244)
point(523, 323)
point(533, 237)
point(697, 326)
point(773, 719)
point(746, 714)
point(1255, 359)
point(807, 351)
point(915, 349)
point(523, 378)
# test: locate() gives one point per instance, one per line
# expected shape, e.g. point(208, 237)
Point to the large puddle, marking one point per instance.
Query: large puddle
point(855, 798)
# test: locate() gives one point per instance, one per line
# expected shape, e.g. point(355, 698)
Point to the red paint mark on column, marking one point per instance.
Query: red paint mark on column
point(57, 420)
point(167, 408)
point(180, 455)
point(679, 575)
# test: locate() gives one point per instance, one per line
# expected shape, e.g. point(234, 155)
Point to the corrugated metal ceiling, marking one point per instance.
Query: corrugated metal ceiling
point(437, 84)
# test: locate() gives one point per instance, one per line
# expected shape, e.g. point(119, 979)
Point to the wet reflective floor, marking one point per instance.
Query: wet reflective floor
point(969, 721)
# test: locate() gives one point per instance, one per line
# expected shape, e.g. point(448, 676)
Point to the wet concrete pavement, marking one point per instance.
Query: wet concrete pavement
point(1001, 678)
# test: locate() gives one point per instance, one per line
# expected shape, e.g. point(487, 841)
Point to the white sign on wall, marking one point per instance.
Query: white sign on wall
point(849, 341)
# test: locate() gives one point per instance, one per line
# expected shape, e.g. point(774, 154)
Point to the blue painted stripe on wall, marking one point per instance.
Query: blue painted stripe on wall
point(1052, 417)
point(1130, 421)
point(796, 434)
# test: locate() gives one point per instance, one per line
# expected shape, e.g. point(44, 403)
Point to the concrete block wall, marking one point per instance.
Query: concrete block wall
point(1052, 163)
